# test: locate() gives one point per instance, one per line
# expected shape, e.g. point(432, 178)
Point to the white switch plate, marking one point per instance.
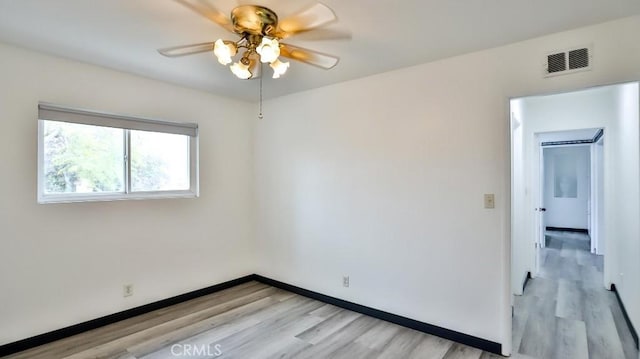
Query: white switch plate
point(489, 200)
point(345, 281)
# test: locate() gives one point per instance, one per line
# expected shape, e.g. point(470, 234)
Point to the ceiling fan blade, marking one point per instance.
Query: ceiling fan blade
point(323, 34)
point(315, 16)
point(184, 50)
point(308, 56)
point(204, 8)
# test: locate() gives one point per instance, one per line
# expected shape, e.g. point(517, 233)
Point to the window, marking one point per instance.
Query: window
point(90, 156)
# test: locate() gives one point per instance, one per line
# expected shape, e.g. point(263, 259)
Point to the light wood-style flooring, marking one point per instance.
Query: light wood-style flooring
point(566, 312)
point(253, 320)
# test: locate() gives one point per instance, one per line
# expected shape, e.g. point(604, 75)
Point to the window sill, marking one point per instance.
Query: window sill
point(109, 197)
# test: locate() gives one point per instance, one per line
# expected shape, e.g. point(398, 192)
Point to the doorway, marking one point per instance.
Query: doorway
point(571, 186)
point(575, 197)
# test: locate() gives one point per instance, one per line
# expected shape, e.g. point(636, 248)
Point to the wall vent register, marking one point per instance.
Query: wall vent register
point(567, 61)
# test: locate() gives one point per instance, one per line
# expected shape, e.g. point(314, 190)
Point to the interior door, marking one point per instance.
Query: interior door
point(539, 211)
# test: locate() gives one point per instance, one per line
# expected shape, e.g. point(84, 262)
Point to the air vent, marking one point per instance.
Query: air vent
point(578, 59)
point(556, 62)
point(567, 61)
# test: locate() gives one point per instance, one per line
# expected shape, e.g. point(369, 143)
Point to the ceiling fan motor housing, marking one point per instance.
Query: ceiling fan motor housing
point(254, 20)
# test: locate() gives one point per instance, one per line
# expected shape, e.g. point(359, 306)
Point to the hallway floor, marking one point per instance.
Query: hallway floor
point(566, 312)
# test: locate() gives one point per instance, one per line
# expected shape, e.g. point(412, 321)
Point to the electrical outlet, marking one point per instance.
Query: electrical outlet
point(127, 290)
point(345, 281)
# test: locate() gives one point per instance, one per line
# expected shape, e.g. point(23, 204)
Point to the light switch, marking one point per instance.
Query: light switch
point(489, 200)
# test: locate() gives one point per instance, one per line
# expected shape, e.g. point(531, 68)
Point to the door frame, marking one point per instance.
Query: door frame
point(540, 195)
point(597, 187)
point(513, 122)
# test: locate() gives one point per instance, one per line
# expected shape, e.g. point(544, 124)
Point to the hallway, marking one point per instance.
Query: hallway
point(565, 312)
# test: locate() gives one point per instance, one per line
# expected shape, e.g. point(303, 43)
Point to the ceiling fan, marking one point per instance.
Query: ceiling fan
point(260, 33)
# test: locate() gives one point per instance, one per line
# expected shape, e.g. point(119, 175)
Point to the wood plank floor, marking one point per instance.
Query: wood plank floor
point(253, 320)
point(565, 312)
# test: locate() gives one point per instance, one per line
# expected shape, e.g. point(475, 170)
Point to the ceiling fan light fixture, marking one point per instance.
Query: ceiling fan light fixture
point(269, 50)
point(224, 51)
point(260, 34)
point(279, 68)
point(241, 70)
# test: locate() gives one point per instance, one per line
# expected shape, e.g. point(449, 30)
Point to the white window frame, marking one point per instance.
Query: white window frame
point(50, 112)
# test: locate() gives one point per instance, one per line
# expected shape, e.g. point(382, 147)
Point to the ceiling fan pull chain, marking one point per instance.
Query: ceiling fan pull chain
point(260, 116)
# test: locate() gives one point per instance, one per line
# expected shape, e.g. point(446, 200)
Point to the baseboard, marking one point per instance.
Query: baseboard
point(32, 342)
point(563, 229)
point(634, 334)
point(462, 338)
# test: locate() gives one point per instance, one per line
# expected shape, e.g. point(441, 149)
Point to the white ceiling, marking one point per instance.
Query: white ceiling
point(387, 34)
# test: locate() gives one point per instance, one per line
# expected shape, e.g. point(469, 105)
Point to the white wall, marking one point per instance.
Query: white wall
point(623, 227)
point(382, 179)
point(61, 264)
point(561, 211)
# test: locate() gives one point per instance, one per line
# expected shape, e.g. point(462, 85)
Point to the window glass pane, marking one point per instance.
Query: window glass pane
point(159, 161)
point(82, 158)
